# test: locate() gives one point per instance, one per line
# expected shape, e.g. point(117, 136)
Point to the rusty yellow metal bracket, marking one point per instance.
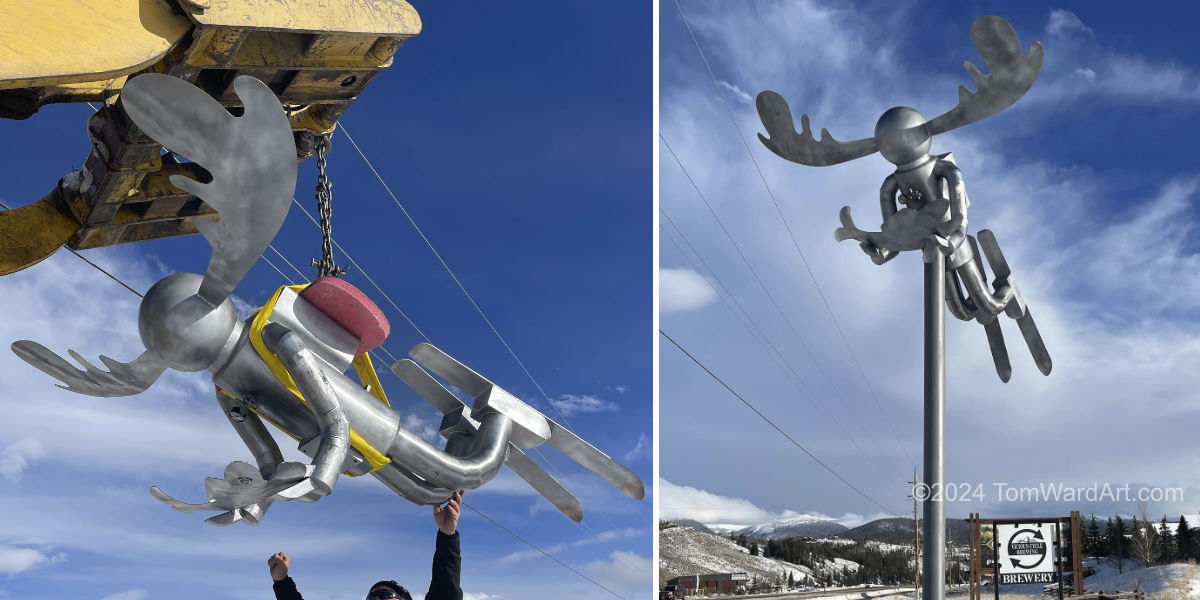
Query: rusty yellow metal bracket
point(316, 55)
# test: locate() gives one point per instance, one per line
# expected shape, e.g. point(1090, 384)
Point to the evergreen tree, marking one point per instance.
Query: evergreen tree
point(1166, 542)
point(1119, 548)
point(1093, 542)
point(1185, 546)
point(753, 548)
point(1110, 532)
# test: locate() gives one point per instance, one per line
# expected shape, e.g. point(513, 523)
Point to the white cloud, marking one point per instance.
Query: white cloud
point(1064, 22)
point(17, 456)
point(14, 560)
point(1086, 73)
point(570, 404)
point(686, 502)
point(1081, 63)
point(600, 538)
point(136, 594)
point(423, 428)
point(623, 569)
point(737, 92)
point(682, 290)
point(640, 449)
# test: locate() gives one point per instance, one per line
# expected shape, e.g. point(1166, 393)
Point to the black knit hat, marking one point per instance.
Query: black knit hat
point(395, 587)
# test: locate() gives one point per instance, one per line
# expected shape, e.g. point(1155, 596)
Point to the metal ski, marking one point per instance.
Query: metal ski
point(1017, 309)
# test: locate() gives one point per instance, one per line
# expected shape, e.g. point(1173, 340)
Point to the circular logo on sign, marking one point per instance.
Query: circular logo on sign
point(1027, 548)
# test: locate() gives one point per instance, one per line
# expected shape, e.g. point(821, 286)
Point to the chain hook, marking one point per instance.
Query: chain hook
point(325, 267)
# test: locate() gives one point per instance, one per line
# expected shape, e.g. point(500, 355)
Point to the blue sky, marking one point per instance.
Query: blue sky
point(1089, 182)
point(519, 142)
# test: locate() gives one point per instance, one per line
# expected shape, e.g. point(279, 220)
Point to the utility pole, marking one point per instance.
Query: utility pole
point(916, 538)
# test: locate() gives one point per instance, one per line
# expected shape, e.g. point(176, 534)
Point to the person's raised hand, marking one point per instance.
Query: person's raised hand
point(278, 564)
point(446, 516)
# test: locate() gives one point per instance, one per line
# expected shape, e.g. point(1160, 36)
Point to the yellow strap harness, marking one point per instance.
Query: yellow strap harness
point(362, 367)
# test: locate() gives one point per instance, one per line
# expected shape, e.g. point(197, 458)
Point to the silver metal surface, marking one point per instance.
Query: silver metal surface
point(530, 427)
point(310, 378)
point(924, 207)
point(924, 201)
point(243, 494)
point(187, 322)
point(121, 379)
point(446, 402)
point(321, 334)
point(253, 433)
point(933, 528)
point(1010, 75)
point(181, 328)
point(252, 160)
point(578, 450)
point(802, 147)
point(544, 484)
point(480, 465)
point(409, 487)
point(559, 437)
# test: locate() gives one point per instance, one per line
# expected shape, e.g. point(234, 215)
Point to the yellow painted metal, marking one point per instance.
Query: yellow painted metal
point(55, 42)
point(30, 234)
point(392, 18)
point(362, 366)
point(316, 55)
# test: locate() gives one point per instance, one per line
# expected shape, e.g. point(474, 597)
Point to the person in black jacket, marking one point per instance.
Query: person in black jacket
point(446, 564)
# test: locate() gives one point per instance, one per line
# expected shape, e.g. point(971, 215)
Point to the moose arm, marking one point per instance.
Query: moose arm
point(310, 378)
point(954, 230)
point(887, 197)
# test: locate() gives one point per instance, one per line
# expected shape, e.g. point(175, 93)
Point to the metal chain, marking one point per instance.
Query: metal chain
point(325, 267)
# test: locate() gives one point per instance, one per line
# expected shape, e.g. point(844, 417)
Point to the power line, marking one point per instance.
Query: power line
point(792, 235)
point(778, 357)
point(455, 278)
point(773, 425)
point(363, 271)
point(546, 554)
point(728, 235)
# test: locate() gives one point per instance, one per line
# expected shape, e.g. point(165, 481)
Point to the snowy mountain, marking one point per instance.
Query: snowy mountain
point(900, 531)
point(797, 526)
point(686, 551)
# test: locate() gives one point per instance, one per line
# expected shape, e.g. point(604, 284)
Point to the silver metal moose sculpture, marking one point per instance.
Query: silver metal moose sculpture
point(188, 323)
point(934, 218)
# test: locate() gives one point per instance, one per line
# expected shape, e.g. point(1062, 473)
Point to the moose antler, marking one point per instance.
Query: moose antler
point(1010, 75)
point(802, 147)
point(122, 379)
point(252, 159)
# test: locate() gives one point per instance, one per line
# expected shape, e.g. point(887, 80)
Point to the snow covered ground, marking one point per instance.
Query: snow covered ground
point(686, 551)
point(1159, 582)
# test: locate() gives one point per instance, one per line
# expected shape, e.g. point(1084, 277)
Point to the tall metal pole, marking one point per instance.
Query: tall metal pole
point(916, 540)
point(934, 528)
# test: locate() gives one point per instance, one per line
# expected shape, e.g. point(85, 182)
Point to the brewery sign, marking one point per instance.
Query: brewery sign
point(1026, 552)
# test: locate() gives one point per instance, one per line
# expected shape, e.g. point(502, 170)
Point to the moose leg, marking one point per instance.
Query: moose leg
point(975, 281)
point(253, 433)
